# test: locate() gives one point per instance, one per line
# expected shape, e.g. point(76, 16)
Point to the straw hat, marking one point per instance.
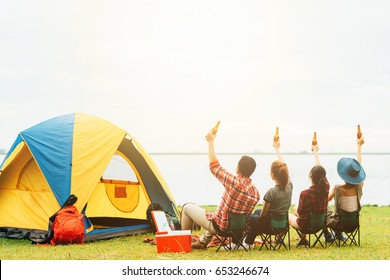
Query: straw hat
point(351, 171)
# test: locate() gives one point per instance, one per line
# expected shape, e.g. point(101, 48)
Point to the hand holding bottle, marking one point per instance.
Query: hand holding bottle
point(314, 143)
point(276, 144)
point(360, 138)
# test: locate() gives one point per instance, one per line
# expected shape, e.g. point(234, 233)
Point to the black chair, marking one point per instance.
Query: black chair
point(316, 227)
point(280, 229)
point(349, 225)
point(236, 232)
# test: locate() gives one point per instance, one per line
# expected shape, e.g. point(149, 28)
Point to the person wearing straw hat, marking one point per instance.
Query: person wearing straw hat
point(347, 196)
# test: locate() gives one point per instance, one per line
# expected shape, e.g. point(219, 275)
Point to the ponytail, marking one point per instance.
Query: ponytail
point(280, 171)
point(322, 185)
point(318, 177)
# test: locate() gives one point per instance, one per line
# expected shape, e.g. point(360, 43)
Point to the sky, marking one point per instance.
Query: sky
point(167, 71)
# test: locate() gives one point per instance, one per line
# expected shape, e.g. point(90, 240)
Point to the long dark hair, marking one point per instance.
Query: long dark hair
point(318, 177)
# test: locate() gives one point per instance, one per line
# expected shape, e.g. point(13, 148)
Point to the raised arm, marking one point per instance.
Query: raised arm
point(210, 139)
point(315, 152)
point(277, 149)
point(360, 142)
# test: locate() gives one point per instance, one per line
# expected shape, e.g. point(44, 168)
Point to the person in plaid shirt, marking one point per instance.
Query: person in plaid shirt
point(240, 196)
point(314, 199)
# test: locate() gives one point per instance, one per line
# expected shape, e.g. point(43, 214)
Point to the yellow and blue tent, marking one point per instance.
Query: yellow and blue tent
point(71, 154)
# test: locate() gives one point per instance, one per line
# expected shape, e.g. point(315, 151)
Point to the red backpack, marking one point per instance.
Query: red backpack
point(68, 227)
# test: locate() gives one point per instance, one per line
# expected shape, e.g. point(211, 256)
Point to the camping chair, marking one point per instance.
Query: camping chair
point(280, 228)
point(348, 224)
point(236, 231)
point(316, 227)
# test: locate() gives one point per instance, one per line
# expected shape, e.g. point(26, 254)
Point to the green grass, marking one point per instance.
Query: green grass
point(375, 241)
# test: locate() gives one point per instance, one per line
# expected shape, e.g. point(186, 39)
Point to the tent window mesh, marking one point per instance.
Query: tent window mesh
point(121, 183)
point(119, 169)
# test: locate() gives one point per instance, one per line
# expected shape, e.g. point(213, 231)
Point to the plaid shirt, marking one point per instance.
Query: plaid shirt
point(240, 196)
point(311, 200)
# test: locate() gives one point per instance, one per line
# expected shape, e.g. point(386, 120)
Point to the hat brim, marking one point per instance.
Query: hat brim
point(343, 173)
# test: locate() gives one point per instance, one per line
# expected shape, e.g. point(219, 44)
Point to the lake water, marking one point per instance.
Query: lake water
point(190, 180)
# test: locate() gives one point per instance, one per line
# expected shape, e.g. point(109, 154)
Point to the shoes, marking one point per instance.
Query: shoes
point(303, 242)
point(235, 247)
point(329, 237)
point(341, 236)
point(199, 245)
point(232, 247)
point(278, 241)
point(248, 246)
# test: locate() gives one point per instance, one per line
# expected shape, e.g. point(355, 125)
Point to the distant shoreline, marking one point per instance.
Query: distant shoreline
point(259, 153)
point(246, 153)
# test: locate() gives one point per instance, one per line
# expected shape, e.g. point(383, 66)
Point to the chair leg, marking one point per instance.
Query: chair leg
point(240, 241)
point(289, 244)
point(268, 243)
point(354, 238)
point(219, 247)
point(348, 238)
point(337, 238)
point(280, 240)
point(336, 241)
point(358, 229)
point(351, 237)
point(318, 239)
point(265, 238)
point(302, 238)
point(228, 247)
point(222, 244)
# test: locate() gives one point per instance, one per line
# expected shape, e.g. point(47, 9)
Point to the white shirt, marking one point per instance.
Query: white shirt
point(349, 203)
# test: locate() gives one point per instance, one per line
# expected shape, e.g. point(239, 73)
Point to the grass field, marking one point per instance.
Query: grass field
point(375, 241)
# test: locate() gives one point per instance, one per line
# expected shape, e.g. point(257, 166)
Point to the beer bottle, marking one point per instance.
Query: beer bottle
point(359, 132)
point(276, 136)
point(215, 129)
point(314, 141)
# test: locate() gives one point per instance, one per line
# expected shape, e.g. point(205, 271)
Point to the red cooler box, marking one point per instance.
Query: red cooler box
point(178, 241)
